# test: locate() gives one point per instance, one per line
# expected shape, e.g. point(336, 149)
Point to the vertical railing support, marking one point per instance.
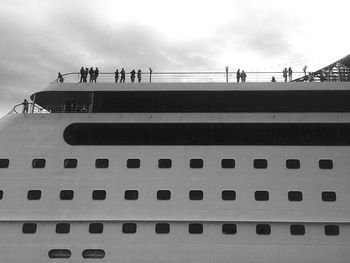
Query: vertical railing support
point(150, 75)
point(226, 68)
point(32, 110)
point(338, 69)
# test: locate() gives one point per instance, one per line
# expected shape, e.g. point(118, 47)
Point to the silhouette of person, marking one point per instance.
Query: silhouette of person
point(122, 75)
point(243, 76)
point(25, 106)
point(139, 75)
point(116, 76)
point(60, 78)
point(238, 75)
point(82, 73)
point(273, 79)
point(91, 72)
point(86, 75)
point(96, 72)
point(290, 73)
point(285, 74)
point(132, 75)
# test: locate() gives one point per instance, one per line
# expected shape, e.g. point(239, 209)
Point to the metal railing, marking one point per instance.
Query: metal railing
point(34, 108)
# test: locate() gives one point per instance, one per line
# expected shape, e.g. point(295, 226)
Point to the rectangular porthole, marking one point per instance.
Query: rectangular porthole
point(196, 195)
point(62, 228)
point(4, 163)
point(29, 228)
point(34, 194)
point(260, 163)
point(292, 164)
point(262, 195)
point(164, 163)
point(95, 228)
point(195, 228)
point(66, 194)
point(196, 163)
point(297, 230)
point(228, 195)
point(131, 195)
point(331, 230)
point(228, 163)
point(329, 196)
point(129, 228)
point(38, 163)
point(133, 163)
point(163, 194)
point(325, 164)
point(59, 253)
point(93, 253)
point(263, 229)
point(162, 228)
point(229, 229)
point(102, 163)
point(295, 196)
point(99, 194)
point(70, 163)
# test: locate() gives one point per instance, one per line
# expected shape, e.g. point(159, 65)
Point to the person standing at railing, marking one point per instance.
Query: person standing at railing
point(116, 76)
point(96, 72)
point(82, 73)
point(273, 79)
point(285, 71)
point(132, 75)
point(139, 75)
point(243, 76)
point(91, 72)
point(60, 78)
point(238, 75)
point(25, 106)
point(122, 75)
point(86, 73)
point(290, 73)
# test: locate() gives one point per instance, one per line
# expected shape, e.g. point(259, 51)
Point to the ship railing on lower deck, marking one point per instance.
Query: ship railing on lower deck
point(34, 108)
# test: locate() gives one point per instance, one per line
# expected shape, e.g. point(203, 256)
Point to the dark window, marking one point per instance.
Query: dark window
point(164, 163)
point(263, 229)
point(196, 163)
point(292, 164)
point(99, 194)
point(325, 164)
point(4, 163)
point(129, 228)
point(62, 228)
point(59, 253)
point(131, 195)
point(101, 163)
point(163, 195)
point(34, 194)
point(1, 194)
point(195, 228)
point(66, 194)
point(94, 253)
point(331, 230)
point(297, 230)
point(295, 196)
point(133, 163)
point(229, 229)
point(309, 134)
point(260, 163)
point(328, 196)
point(162, 228)
point(96, 228)
point(29, 228)
point(228, 195)
point(196, 195)
point(228, 163)
point(261, 195)
point(70, 163)
point(38, 163)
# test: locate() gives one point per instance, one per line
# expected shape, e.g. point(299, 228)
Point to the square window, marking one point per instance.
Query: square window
point(99, 194)
point(4, 163)
point(102, 163)
point(297, 230)
point(195, 228)
point(70, 163)
point(292, 164)
point(162, 228)
point(228, 163)
point(133, 163)
point(196, 163)
point(38, 163)
point(228, 195)
point(164, 163)
point(325, 164)
point(95, 228)
point(329, 196)
point(260, 163)
point(62, 228)
point(331, 230)
point(163, 195)
point(261, 195)
point(263, 229)
point(66, 194)
point(34, 194)
point(131, 195)
point(196, 195)
point(229, 229)
point(129, 228)
point(295, 196)
point(29, 228)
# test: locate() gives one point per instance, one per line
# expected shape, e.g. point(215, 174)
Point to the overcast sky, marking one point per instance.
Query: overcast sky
point(40, 38)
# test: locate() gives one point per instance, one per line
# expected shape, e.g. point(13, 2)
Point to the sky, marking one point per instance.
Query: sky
point(38, 38)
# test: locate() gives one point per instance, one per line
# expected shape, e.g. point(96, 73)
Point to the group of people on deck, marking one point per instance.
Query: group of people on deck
point(132, 76)
point(93, 73)
point(241, 75)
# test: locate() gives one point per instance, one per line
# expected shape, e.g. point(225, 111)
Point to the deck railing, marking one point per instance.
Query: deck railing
point(34, 108)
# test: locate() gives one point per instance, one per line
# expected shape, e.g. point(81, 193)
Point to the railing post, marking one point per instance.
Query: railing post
point(150, 75)
point(338, 71)
point(226, 68)
point(32, 111)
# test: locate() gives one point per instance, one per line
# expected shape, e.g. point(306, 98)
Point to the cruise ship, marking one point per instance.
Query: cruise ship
point(254, 172)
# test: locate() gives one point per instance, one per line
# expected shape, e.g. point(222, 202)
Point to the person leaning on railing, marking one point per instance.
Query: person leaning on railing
point(25, 106)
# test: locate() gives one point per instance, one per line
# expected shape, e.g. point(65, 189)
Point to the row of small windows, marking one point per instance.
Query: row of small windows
point(66, 253)
point(193, 228)
point(167, 163)
point(227, 195)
